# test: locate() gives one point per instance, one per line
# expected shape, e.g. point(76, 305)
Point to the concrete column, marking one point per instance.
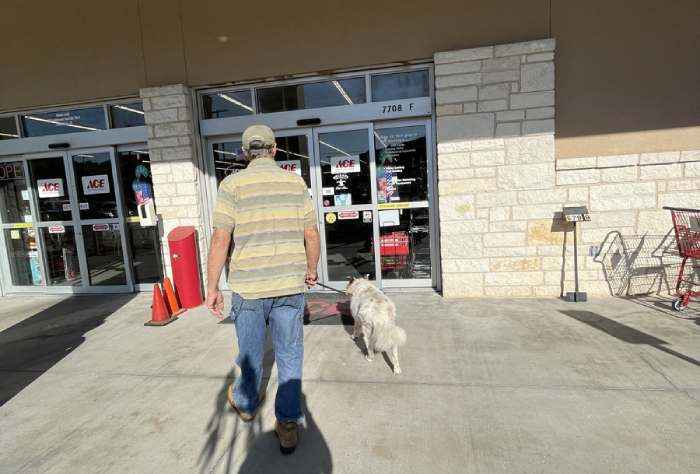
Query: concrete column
point(176, 177)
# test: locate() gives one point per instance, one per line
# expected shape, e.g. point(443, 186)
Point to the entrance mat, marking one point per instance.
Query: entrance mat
point(327, 310)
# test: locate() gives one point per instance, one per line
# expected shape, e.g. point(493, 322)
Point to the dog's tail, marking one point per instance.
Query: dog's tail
point(388, 337)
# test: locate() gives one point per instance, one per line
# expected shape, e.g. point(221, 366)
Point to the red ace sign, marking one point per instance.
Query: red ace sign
point(49, 188)
point(293, 166)
point(97, 184)
point(345, 164)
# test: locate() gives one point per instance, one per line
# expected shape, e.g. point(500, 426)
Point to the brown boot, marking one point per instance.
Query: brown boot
point(288, 435)
point(246, 417)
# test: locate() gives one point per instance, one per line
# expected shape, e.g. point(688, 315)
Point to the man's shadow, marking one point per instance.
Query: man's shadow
point(312, 455)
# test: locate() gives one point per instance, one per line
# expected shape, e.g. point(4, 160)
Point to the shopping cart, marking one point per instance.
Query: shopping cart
point(686, 224)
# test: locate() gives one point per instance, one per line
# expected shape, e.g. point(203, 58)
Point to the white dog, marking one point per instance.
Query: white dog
point(375, 314)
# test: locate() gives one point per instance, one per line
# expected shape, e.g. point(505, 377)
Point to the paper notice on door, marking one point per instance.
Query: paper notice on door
point(15, 234)
point(389, 218)
point(25, 195)
point(66, 207)
point(328, 191)
point(84, 206)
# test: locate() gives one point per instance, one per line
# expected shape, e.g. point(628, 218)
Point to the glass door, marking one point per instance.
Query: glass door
point(294, 153)
point(346, 199)
point(99, 221)
point(404, 177)
point(54, 224)
point(22, 254)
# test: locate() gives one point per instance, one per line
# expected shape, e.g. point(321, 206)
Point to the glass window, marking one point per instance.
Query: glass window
point(137, 181)
point(8, 128)
point(400, 85)
point(95, 185)
point(145, 253)
point(61, 255)
point(405, 243)
point(345, 174)
point(127, 115)
point(64, 121)
point(349, 244)
point(228, 159)
point(103, 249)
point(48, 180)
point(402, 164)
point(14, 198)
point(227, 104)
point(144, 242)
point(293, 155)
point(311, 95)
point(23, 256)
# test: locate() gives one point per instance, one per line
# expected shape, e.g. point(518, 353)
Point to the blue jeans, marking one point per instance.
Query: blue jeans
point(285, 316)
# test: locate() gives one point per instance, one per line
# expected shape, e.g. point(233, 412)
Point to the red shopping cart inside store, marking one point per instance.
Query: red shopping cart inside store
point(394, 251)
point(686, 225)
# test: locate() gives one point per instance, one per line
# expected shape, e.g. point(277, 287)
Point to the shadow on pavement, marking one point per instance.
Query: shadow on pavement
point(216, 427)
point(625, 333)
point(37, 343)
point(312, 455)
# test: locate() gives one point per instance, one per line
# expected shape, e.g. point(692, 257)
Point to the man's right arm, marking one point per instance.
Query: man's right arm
point(312, 242)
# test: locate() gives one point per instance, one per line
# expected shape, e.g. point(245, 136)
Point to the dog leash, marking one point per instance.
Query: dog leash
point(332, 289)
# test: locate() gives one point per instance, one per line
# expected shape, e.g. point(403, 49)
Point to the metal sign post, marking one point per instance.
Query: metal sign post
point(576, 214)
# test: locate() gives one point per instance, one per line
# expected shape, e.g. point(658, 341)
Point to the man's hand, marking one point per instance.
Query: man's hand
point(215, 303)
point(311, 278)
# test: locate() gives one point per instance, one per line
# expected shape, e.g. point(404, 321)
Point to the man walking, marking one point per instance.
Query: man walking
point(270, 216)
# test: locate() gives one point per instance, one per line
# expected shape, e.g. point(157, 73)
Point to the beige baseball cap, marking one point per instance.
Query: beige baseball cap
point(258, 136)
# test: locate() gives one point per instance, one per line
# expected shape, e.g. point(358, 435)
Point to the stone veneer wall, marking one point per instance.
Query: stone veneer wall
point(170, 129)
point(501, 191)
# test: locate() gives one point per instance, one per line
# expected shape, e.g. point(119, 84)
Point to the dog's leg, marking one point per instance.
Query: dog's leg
point(370, 352)
point(394, 356)
point(356, 329)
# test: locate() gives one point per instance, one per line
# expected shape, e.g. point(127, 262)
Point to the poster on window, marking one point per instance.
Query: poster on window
point(345, 164)
point(97, 184)
point(50, 188)
point(293, 166)
point(401, 164)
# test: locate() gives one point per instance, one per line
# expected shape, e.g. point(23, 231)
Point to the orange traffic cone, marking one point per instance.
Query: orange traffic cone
point(171, 298)
point(159, 312)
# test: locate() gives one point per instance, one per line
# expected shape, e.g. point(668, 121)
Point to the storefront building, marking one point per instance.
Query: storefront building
point(435, 160)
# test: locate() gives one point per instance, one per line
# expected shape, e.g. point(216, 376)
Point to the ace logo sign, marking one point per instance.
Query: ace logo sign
point(97, 184)
point(293, 166)
point(345, 164)
point(49, 188)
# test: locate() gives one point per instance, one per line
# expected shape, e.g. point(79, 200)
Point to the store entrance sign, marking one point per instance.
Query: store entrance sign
point(345, 164)
point(97, 184)
point(11, 171)
point(57, 229)
point(49, 188)
point(293, 166)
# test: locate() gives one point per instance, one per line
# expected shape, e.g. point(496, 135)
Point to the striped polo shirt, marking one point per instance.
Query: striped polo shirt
point(267, 209)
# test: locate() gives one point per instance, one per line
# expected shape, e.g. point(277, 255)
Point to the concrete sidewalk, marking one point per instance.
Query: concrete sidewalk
point(488, 386)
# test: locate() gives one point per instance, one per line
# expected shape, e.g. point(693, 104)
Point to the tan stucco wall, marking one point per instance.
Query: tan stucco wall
point(626, 77)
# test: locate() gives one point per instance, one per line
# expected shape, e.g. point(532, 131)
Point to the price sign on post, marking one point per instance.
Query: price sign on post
point(574, 215)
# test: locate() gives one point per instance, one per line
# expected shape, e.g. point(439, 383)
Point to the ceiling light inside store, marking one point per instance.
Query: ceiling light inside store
point(226, 152)
point(129, 109)
point(235, 102)
point(85, 156)
point(60, 124)
point(9, 135)
point(335, 148)
point(380, 140)
point(291, 153)
point(342, 92)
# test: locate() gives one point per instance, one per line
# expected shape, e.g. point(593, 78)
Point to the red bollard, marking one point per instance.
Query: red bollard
point(185, 264)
